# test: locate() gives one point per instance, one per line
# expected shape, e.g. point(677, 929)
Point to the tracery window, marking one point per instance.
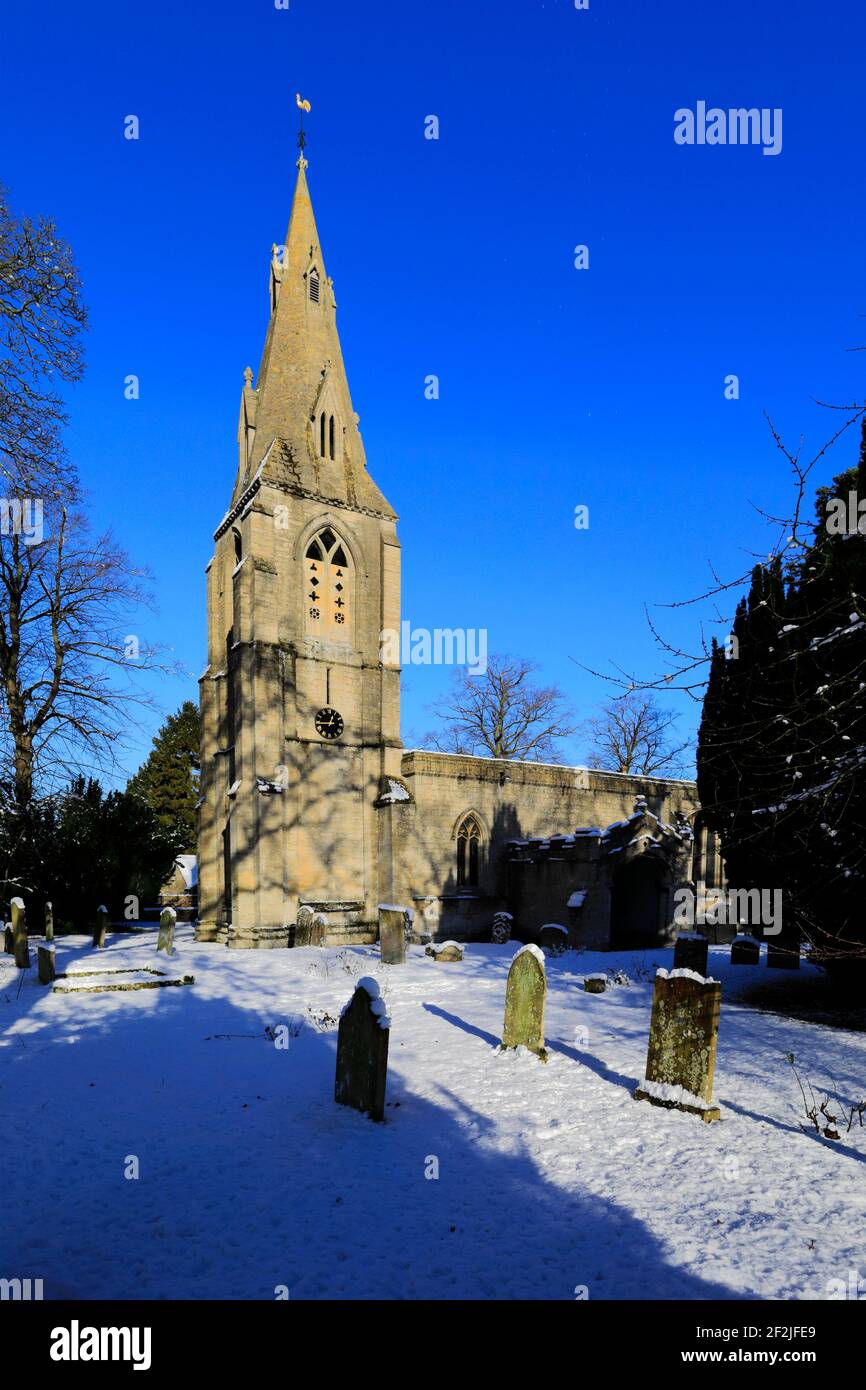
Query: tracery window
point(328, 588)
point(468, 853)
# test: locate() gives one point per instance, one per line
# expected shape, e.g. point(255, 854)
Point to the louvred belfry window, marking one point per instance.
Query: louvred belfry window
point(328, 591)
point(314, 286)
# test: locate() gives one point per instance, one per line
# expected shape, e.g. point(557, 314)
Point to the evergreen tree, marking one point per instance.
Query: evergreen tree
point(782, 743)
point(168, 780)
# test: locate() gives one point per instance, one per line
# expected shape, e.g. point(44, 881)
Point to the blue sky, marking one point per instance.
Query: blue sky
point(456, 257)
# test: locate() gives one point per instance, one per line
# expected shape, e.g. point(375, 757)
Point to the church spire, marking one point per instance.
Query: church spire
point(301, 401)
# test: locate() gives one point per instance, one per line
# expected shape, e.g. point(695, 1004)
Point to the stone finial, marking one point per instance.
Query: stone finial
point(248, 372)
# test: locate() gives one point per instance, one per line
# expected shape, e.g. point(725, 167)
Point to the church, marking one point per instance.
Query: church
point(310, 806)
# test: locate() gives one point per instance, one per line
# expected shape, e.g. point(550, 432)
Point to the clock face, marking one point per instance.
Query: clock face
point(329, 723)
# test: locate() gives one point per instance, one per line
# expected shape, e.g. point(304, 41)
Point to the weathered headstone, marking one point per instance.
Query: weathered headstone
point(681, 1057)
point(304, 927)
point(500, 932)
point(595, 984)
point(318, 928)
point(101, 927)
point(362, 1051)
point(45, 963)
point(745, 950)
point(783, 953)
point(690, 952)
point(8, 940)
point(49, 922)
point(165, 940)
point(554, 939)
point(445, 952)
point(392, 937)
point(20, 948)
point(525, 993)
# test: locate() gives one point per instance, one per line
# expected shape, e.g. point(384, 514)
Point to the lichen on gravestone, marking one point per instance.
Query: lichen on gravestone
point(525, 993)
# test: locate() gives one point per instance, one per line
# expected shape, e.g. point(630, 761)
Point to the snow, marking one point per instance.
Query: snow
point(391, 907)
point(681, 973)
point(19, 903)
point(188, 867)
point(532, 950)
point(549, 1176)
point(554, 926)
point(577, 898)
point(396, 792)
point(676, 1095)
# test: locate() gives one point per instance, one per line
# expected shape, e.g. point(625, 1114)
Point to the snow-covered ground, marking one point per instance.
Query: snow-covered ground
point(550, 1176)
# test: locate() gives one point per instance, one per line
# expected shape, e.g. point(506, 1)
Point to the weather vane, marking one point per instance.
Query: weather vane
point(302, 107)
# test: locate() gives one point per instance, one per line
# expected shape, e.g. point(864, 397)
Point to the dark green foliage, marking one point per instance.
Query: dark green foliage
point(782, 744)
point(84, 848)
point(168, 780)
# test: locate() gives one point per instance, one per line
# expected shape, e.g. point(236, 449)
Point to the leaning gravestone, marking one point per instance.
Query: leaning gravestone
point(101, 927)
point(745, 950)
point(165, 941)
point(20, 948)
point(45, 963)
point(690, 952)
point(392, 937)
point(500, 932)
point(524, 1002)
point(554, 939)
point(362, 1051)
point(681, 1058)
point(304, 927)
point(49, 922)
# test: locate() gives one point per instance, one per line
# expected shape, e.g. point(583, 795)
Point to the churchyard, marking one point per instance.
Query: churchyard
point(204, 1142)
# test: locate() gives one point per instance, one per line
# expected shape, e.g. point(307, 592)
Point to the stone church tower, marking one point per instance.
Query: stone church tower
point(300, 717)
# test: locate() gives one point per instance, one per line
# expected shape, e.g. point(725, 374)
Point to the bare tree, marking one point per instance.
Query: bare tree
point(500, 713)
point(42, 318)
point(634, 734)
point(67, 656)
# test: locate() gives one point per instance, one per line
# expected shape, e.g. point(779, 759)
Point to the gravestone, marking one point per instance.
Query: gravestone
point(745, 950)
point(690, 952)
point(392, 937)
point(8, 940)
point(304, 926)
point(49, 922)
point(362, 1051)
point(681, 1057)
point(595, 984)
point(554, 939)
point(525, 993)
point(101, 927)
point(318, 926)
point(165, 941)
point(447, 952)
point(20, 949)
point(45, 964)
point(500, 932)
point(783, 953)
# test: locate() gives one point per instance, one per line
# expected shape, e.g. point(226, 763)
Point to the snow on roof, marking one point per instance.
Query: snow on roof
point(187, 865)
point(554, 926)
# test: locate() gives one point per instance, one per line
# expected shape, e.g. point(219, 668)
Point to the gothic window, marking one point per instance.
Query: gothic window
point(322, 435)
point(331, 441)
point(314, 286)
point(468, 849)
point(328, 589)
